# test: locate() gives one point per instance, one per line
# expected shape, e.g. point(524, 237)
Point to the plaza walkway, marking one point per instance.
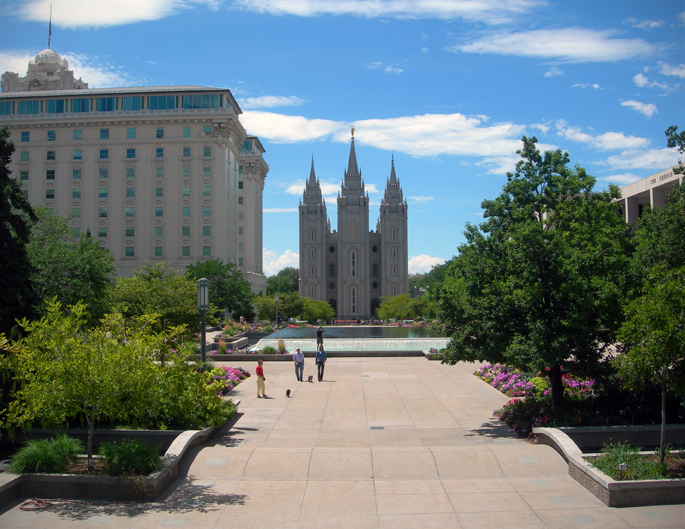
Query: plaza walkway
point(381, 443)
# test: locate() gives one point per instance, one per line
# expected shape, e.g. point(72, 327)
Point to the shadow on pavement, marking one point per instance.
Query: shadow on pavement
point(493, 429)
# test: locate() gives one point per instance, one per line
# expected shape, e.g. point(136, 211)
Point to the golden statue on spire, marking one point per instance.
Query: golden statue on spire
point(352, 130)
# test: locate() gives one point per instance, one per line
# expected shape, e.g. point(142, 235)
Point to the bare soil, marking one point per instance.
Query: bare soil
point(676, 467)
point(80, 466)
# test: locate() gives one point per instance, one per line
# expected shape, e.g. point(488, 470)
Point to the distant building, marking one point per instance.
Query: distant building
point(157, 174)
point(352, 268)
point(652, 192)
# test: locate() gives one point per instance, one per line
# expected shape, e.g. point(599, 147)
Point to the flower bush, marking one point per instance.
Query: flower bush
point(508, 380)
point(228, 378)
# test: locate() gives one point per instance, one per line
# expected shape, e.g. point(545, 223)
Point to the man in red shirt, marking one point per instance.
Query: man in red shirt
point(260, 379)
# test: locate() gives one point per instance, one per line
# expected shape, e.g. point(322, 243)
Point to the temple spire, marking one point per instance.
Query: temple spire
point(352, 168)
point(312, 175)
point(393, 177)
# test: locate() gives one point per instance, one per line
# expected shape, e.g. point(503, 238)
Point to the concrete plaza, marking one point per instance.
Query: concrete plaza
point(380, 443)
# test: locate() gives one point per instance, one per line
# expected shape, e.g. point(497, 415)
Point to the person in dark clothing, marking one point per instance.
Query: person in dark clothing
point(320, 361)
point(319, 337)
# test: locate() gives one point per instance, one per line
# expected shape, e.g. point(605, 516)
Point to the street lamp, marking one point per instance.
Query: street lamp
point(276, 297)
point(203, 308)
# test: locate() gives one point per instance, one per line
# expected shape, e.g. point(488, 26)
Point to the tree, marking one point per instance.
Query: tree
point(227, 287)
point(291, 305)
point(677, 140)
point(315, 310)
point(285, 281)
point(16, 290)
point(65, 370)
point(266, 307)
point(395, 308)
point(654, 333)
point(539, 284)
point(158, 289)
point(69, 270)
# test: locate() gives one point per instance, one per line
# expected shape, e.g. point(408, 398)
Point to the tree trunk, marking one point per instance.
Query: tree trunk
point(89, 444)
point(557, 386)
point(662, 450)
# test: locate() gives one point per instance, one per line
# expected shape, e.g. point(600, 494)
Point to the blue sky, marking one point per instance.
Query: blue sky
point(447, 86)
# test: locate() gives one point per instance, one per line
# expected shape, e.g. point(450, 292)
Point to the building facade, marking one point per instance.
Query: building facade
point(353, 267)
point(650, 192)
point(157, 174)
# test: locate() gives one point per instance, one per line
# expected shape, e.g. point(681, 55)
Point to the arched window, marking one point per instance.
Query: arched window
point(374, 270)
point(331, 270)
point(312, 253)
point(394, 252)
point(312, 271)
point(394, 289)
point(312, 291)
point(353, 299)
point(353, 230)
point(394, 271)
point(353, 263)
point(312, 234)
point(394, 234)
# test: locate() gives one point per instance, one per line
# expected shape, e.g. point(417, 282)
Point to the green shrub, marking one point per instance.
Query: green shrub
point(281, 346)
point(268, 350)
point(46, 455)
point(639, 467)
point(540, 384)
point(131, 457)
point(267, 328)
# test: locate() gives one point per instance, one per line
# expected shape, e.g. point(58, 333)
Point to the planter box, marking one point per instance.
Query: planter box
point(611, 492)
point(139, 488)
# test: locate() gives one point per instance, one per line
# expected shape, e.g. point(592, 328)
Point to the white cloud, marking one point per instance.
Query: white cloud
point(279, 210)
point(426, 135)
point(647, 109)
point(644, 24)
point(375, 65)
point(570, 44)
point(594, 86)
point(489, 11)
point(280, 128)
point(420, 199)
point(420, 264)
point(392, 69)
point(269, 102)
point(554, 72)
point(94, 71)
point(667, 69)
point(501, 164)
point(544, 127)
point(275, 263)
point(642, 81)
point(653, 159)
point(90, 13)
point(328, 189)
point(626, 178)
point(606, 142)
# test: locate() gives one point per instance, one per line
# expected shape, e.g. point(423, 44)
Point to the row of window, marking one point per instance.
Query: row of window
point(111, 104)
point(77, 134)
point(131, 211)
point(130, 251)
point(353, 271)
point(159, 231)
point(51, 156)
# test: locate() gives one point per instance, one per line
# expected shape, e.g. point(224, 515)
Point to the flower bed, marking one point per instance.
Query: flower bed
point(228, 377)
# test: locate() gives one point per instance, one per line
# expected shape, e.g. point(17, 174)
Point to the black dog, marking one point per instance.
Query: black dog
point(287, 393)
point(310, 378)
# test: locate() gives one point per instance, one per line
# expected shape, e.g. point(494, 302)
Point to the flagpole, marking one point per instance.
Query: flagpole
point(50, 27)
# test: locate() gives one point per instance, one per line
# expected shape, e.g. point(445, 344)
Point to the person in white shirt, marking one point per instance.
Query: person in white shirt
point(298, 359)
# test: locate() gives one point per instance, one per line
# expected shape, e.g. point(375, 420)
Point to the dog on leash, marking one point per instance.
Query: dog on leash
point(287, 393)
point(310, 378)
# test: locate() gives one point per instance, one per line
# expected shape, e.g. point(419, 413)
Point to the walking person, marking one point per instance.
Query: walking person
point(260, 379)
point(298, 359)
point(319, 337)
point(320, 361)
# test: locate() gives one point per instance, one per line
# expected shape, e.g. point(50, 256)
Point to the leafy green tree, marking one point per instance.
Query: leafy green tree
point(69, 270)
point(65, 370)
point(266, 307)
point(422, 307)
point(158, 289)
point(291, 304)
point(395, 308)
point(227, 287)
point(654, 333)
point(17, 296)
point(285, 281)
point(677, 140)
point(539, 285)
point(315, 309)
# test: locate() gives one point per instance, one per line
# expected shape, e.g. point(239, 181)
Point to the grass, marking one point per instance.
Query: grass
point(130, 457)
point(46, 455)
point(639, 467)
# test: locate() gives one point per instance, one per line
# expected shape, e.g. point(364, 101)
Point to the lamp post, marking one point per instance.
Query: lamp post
point(203, 308)
point(276, 298)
